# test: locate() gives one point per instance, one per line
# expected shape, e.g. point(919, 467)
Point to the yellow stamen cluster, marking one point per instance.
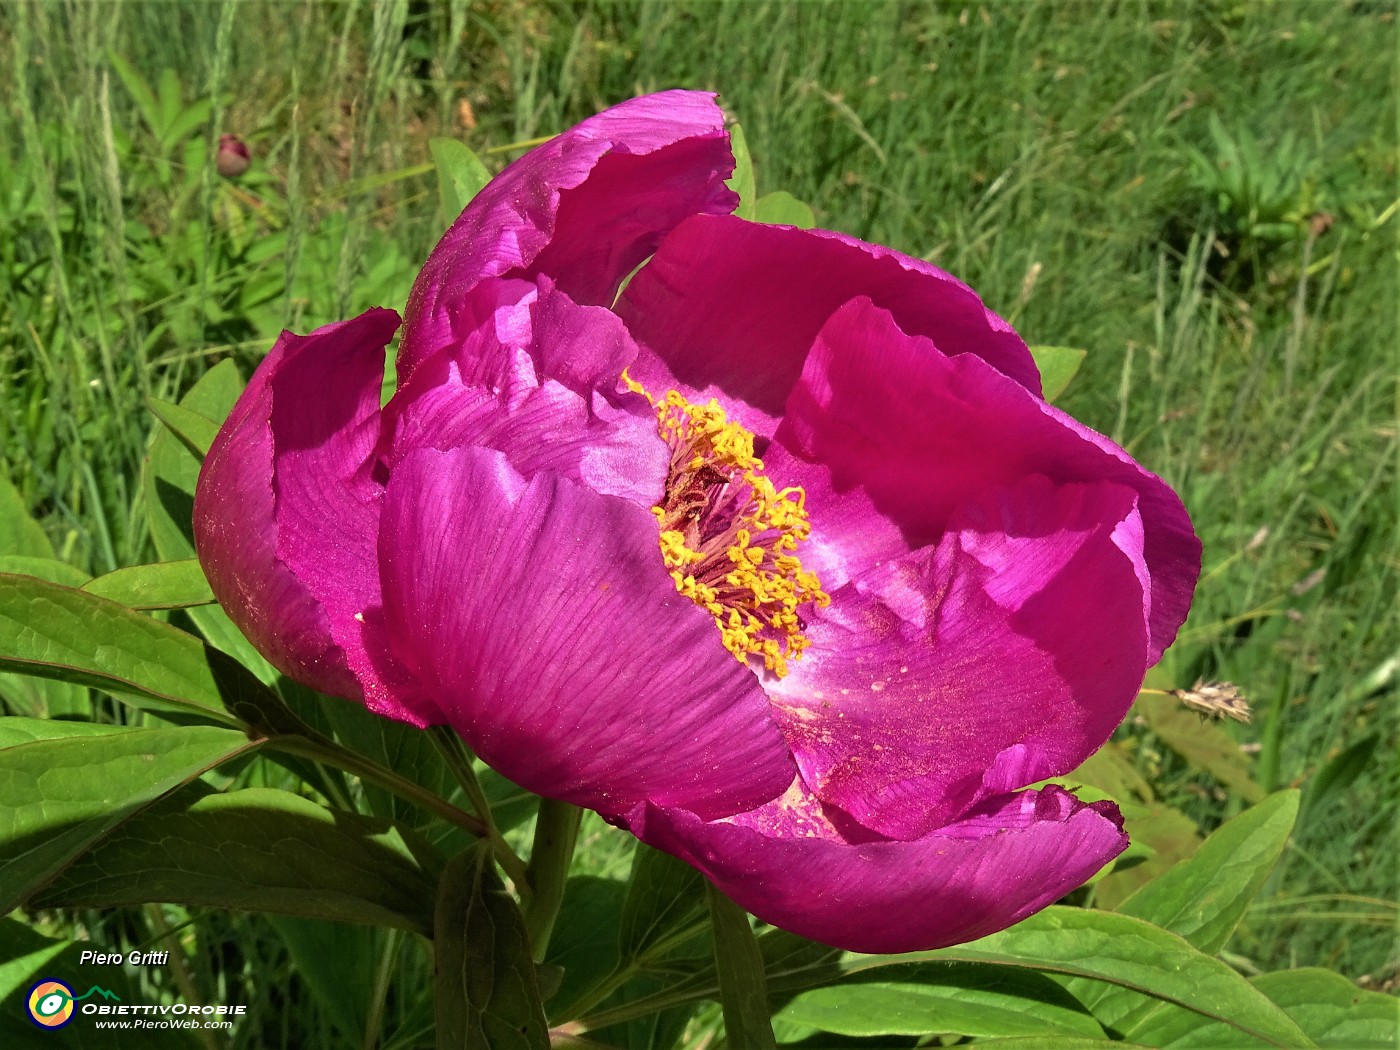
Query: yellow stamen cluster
point(728, 535)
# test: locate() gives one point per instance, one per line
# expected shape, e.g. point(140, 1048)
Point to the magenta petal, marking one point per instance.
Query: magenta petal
point(540, 622)
point(722, 295)
point(536, 376)
point(1023, 628)
point(293, 455)
point(583, 209)
point(956, 884)
point(883, 425)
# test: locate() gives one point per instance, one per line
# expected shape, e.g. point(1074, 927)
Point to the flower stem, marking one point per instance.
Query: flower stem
point(459, 759)
point(743, 986)
point(556, 832)
point(349, 762)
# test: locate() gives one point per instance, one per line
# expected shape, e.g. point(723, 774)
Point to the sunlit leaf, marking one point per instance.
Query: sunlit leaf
point(58, 632)
point(958, 1000)
point(193, 429)
point(461, 175)
point(1202, 898)
point(19, 533)
point(169, 482)
point(1128, 953)
point(64, 795)
point(784, 209)
point(742, 181)
point(162, 585)
point(1058, 365)
point(1329, 1008)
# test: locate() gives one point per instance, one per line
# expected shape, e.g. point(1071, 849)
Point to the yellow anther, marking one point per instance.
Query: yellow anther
point(727, 533)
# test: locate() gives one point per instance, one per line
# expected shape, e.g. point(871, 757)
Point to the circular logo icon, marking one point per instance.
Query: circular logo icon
point(51, 1004)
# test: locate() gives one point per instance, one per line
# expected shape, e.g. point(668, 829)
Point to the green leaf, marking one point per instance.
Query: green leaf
point(1127, 952)
point(1332, 1010)
point(395, 745)
point(27, 957)
point(793, 963)
point(1058, 365)
point(257, 849)
point(665, 898)
point(1329, 1008)
point(1166, 834)
point(169, 482)
point(139, 90)
point(43, 697)
point(1057, 1042)
point(784, 209)
point(742, 181)
point(50, 569)
point(1204, 898)
point(161, 585)
point(743, 987)
point(193, 429)
point(19, 533)
point(172, 471)
point(486, 993)
point(948, 1000)
point(15, 731)
point(1333, 779)
point(584, 942)
point(57, 632)
point(461, 175)
point(1203, 744)
point(318, 951)
point(64, 795)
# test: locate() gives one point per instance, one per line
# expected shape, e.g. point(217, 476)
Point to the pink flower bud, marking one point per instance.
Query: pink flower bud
point(233, 157)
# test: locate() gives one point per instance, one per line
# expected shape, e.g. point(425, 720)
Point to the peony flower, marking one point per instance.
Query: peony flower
point(775, 557)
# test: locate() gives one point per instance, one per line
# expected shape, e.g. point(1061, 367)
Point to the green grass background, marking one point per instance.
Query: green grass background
point(1237, 295)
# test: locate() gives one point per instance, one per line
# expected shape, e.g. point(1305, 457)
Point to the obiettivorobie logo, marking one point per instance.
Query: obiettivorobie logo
point(51, 1002)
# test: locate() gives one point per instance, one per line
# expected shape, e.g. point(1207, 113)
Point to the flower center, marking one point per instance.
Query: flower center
point(728, 536)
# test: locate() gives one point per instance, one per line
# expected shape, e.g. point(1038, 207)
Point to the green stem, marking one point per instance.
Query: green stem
point(454, 752)
point(600, 991)
point(743, 986)
point(383, 976)
point(556, 832)
point(348, 761)
point(459, 760)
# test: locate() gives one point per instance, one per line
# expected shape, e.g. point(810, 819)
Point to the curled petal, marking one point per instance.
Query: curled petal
point(295, 453)
point(584, 209)
point(967, 880)
point(539, 621)
point(1022, 628)
point(536, 376)
point(722, 295)
point(883, 425)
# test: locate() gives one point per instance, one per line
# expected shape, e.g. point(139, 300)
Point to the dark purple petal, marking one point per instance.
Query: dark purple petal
point(536, 376)
point(1024, 628)
point(883, 425)
point(540, 622)
point(584, 209)
point(286, 512)
point(730, 308)
point(961, 882)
